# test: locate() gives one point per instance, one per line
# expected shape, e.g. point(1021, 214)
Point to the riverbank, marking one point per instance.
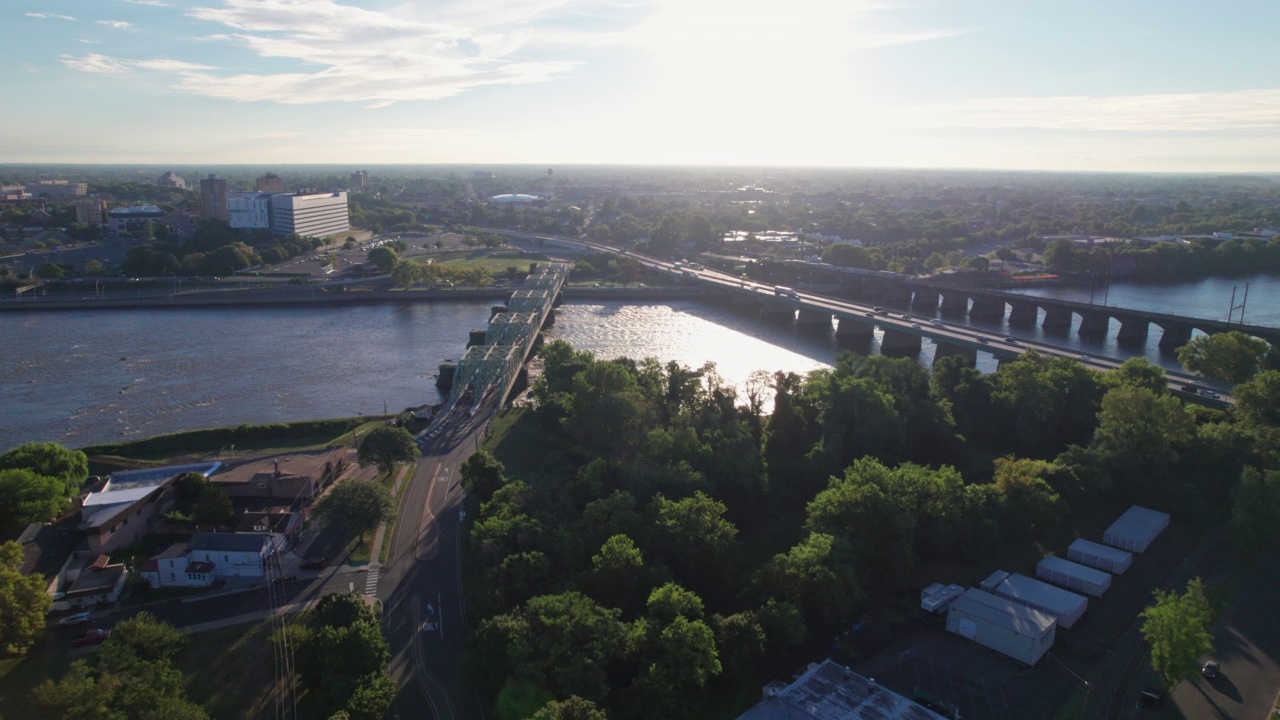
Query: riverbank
point(314, 295)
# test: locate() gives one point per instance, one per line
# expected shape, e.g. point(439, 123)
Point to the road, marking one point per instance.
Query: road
point(421, 584)
point(1247, 647)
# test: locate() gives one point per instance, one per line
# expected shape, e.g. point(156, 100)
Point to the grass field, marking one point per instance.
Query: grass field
point(243, 438)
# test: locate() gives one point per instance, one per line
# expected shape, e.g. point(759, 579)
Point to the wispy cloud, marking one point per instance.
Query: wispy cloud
point(107, 65)
point(1171, 112)
point(373, 57)
point(117, 24)
point(155, 3)
point(88, 42)
point(48, 16)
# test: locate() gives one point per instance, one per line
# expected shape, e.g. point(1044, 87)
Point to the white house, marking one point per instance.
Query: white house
point(210, 556)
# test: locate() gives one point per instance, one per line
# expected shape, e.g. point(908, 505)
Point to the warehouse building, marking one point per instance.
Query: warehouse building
point(1136, 529)
point(1097, 555)
point(1064, 605)
point(1002, 625)
point(830, 691)
point(1073, 576)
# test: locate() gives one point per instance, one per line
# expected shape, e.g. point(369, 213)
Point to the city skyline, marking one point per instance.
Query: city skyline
point(1157, 87)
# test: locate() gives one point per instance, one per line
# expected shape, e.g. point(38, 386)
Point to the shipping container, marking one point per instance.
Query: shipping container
point(1002, 625)
point(1136, 529)
point(1073, 576)
point(1064, 605)
point(1097, 555)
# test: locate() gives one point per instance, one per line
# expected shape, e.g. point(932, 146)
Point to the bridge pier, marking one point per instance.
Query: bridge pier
point(1133, 330)
point(986, 307)
point(477, 337)
point(1175, 336)
point(899, 295)
point(496, 310)
point(944, 349)
point(813, 319)
point(850, 329)
point(777, 312)
point(444, 380)
point(1023, 313)
point(1057, 317)
point(896, 342)
point(925, 300)
point(955, 302)
point(1094, 325)
point(521, 383)
point(749, 301)
point(551, 318)
point(559, 299)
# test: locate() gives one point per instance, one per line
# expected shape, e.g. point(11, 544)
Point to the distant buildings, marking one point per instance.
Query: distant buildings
point(213, 197)
point(170, 179)
point(91, 211)
point(129, 219)
point(58, 189)
point(270, 182)
point(360, 179)
point(249, 211)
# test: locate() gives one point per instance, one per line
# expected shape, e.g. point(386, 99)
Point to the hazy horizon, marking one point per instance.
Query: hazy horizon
point(997, 85)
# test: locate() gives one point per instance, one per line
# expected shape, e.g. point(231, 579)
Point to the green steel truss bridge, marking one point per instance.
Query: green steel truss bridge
point(487, 372)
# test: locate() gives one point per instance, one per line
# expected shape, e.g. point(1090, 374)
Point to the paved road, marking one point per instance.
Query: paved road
point(421, 585)
point(1247, 642)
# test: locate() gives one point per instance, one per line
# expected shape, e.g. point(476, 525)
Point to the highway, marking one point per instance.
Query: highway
point(1004, 347)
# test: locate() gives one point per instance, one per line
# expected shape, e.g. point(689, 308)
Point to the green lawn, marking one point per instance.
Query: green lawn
point(244, 439)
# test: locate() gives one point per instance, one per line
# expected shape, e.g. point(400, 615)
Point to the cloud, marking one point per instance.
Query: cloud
point(48, 16)
point(880, 40)
point(1251, 110)
point(107, 65)
point(117, 24)
point(154, 3)
point(88, 42)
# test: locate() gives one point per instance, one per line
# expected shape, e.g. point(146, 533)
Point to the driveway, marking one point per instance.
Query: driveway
point(1247, 642)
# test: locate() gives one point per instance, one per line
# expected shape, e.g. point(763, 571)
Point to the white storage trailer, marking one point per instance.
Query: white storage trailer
point(1136, 529)
point(1002, 625)
point(1073, 576)
point(1097, 555)
point(1064, 605)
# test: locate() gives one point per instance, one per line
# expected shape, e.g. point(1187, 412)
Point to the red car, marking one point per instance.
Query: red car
point(92, 637)
point(313, 564)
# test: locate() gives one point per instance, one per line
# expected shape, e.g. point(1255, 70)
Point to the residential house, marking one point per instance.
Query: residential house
point(295, 477)
point(120, 513)
point(174, 568)
point(86, 582)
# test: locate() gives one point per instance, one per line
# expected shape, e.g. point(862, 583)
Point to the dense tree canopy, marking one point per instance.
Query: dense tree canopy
point(385, 446)
point(1177, 628)
point(1231, 356)
point(50, 460)
point(357, 505)
point(23, 602)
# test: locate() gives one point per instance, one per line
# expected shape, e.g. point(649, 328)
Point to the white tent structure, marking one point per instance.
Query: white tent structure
point(1097, 555)
point(1136, 529)
point(1073, 576)
point(1064, 605)
point(1002, 625)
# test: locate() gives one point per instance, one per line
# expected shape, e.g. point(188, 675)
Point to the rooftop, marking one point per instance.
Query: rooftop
point(830, 691)
point(299, 464)
point(1004, 613)
point(229, 542)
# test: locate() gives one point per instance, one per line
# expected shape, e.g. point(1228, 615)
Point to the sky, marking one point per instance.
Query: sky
point(1074, 85)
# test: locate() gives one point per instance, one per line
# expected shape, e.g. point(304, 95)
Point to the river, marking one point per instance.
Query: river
point(85, 377)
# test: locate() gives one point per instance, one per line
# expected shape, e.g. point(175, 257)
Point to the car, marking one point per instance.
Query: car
point(90, 637)
point(1210, 669)
point(317, 563)
point(1205, 392)
point(905, 316)
point(79, 618)
point(915, 325)
point(1083, 358)
point(1193, 387)
point(935, 321)
point(878, 308)
point(1011, 339)
point(869, 314)
point(983, 339)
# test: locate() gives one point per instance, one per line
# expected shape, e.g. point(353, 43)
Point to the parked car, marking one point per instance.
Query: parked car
point(90, 637)
point(317, 563)
point(1210, 669)
point(79, 618)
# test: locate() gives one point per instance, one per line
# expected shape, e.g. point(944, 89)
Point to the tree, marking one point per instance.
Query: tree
point(385, 446)
point(190, 484)
point(213, 509)
point(817, 574)
point(23, 602)
point(357, 505)
point(1138, 372)
point(406, 273)
point(1258, 401)
point(572, 708)
point(1177, 628)
point(49, 271)
point(339, 662)
point(848, 255)
point(1231, 356)
point(52, 460)
point(26, 497)
point(1059, 255)
point(1030, 500)
point(1255, 515)
point(383, 258)
point(1140, 435)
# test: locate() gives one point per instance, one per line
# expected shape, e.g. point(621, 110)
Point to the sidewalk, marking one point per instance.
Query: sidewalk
point(380, 533)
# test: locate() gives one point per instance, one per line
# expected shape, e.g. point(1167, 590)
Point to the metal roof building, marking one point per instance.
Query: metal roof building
point(1064, 605)
point(830, 691)
point(1073, 575)
point(1002, 625)
point(1136, 529)
point(1097, 555)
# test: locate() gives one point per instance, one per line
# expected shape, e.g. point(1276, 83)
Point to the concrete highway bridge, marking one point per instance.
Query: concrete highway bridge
point(992, 305)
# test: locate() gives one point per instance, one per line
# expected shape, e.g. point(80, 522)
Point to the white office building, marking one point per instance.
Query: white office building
point(249, 210)
point(309, 214)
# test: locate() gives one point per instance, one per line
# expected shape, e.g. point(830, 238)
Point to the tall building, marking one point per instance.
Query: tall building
point(213, 197)
point(309, 214)
point(270, 182)
point(171, 179)
point(59, 189)
point(249, 210)
point(91, 211)
point(360, 179)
